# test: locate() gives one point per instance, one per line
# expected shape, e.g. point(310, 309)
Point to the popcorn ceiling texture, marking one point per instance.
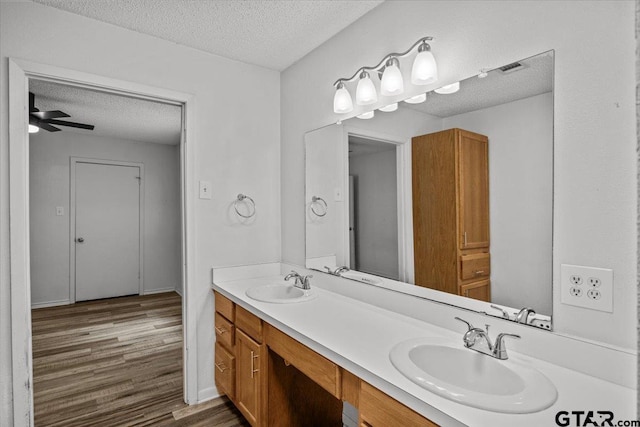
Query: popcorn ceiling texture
point(114, 116)
point(271, 34)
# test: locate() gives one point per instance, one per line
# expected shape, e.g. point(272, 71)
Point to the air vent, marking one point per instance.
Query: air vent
point(510, 68)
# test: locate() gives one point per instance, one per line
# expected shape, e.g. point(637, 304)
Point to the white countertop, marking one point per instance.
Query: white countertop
point(359, 336)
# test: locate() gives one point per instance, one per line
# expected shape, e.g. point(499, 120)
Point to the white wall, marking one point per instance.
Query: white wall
point(594, 126)
point(376, 200)
point(236, 143)
point(49, 171)
point(520, 163)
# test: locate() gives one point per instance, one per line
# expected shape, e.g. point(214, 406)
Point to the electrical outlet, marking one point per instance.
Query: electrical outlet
point(587, 287)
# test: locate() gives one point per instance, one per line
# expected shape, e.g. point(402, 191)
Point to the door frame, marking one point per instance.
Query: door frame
point(20, 71)
point(404, 194)
point(73, 162)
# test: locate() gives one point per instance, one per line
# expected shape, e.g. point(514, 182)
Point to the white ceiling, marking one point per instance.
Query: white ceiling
point(112, 115)
point(270, 33)
point(497, 88)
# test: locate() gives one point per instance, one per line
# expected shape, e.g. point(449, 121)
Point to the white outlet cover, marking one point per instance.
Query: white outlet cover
point(205, 190)
point(604, 303)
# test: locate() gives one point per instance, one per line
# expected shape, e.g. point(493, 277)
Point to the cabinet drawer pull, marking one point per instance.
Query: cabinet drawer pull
point(220, 330)
point(480, 272)
point(253, 370)
point(221, 369)
point(465, 238)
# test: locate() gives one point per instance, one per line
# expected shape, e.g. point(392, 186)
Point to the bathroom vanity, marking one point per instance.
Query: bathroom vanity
point(295, 363)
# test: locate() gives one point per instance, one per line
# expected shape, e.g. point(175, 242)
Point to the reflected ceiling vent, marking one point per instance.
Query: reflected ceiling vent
point(513, 67)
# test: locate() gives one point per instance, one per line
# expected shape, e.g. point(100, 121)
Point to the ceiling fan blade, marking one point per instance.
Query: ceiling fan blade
point(46, 115)
point(47, 126)
point(70, 124)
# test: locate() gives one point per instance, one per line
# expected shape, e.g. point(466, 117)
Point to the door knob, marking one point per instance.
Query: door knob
point(80, 239)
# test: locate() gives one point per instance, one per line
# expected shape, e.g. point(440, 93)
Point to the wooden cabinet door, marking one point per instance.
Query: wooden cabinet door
point(477, 290)
point(473, 163)
point(249, 374)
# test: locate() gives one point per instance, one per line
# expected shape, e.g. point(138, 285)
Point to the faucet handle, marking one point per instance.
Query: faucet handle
point(328, 269)
point(499, 350)
point(505, 313)
point(469, 325)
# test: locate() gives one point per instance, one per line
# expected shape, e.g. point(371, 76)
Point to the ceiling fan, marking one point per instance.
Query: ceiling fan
point(45, 119)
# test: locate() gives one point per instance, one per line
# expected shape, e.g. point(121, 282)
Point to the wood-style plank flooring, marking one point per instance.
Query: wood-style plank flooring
point(116, 362)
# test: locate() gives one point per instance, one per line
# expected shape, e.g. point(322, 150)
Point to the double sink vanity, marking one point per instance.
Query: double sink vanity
point(286, 355)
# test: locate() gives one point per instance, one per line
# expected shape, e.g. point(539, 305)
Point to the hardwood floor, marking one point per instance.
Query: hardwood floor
point(116, 362)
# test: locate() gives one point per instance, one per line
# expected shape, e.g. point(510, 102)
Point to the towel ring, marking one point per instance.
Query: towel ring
point(320, 201)
point(241, 198)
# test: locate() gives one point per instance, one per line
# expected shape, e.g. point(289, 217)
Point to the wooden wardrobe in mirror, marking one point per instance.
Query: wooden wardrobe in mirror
point(450, 173)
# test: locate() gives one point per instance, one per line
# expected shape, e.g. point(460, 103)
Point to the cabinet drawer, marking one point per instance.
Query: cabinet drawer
point(480, 290)
point(225, 307)
point(475, 266)
point(225, 370)
point(318, 368)
point(224, 331)
point(379, 410)
point(249, 323)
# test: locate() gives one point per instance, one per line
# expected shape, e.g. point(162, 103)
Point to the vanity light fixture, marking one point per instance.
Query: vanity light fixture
point(342, 102)
point(33, 129)
point(424, 71)
point(366, 116)
point(416, 99)
point(391, 83)
point(389, 108)
point(448, 89)
point(366, 91)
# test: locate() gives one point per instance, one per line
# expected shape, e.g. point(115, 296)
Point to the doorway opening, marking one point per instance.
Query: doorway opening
point(105, 254)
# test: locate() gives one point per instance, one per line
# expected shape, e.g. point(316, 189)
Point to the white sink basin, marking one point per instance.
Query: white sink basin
point(472, 378)
point(280, 293)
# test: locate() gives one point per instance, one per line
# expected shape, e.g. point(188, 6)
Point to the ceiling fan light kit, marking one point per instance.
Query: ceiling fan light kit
point(46, 119)
point(424, 71)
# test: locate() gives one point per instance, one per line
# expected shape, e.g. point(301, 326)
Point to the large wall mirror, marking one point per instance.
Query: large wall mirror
point(453, 194)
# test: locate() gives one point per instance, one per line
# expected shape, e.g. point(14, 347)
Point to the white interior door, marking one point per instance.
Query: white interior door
point(107, 230)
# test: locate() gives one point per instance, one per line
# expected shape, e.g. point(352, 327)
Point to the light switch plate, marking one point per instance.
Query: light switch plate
point(59, 211)
point(205, 190)
point(587, 287)
point(337, 195)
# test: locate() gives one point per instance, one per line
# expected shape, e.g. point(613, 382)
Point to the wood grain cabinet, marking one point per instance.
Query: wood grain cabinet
point(450, 174)
point(275, 380)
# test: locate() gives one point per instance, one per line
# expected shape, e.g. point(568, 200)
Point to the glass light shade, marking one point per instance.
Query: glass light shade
point(342, 102)
point(389, 108)
point(416, 99)
point(33, 129)
point(448, 89)
point(366, 91)
point(425, 69)
point(391, 83)
point(365, 116)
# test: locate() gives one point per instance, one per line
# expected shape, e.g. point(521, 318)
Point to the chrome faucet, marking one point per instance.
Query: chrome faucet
point(475, 335)
point(524, 314)
point(301, 282)
point(339, 270)
point(505, 313)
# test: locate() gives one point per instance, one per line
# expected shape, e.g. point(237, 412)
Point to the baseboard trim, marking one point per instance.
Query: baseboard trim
point(50, 303)
point(207, 394)
point(158, 291)
point(178, 291)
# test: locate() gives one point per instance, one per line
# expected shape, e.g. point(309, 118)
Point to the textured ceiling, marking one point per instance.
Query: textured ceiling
point(112, 115)
point(273, 34)
point(497, 88)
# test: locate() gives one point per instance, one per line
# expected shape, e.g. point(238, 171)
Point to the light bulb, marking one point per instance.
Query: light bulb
point(342, 102)
point(416, 99)
point(389, 108)
point(391, 83)
point(365, 116)
point(425, 69)
point(33, 129)
point(448, 89)
point(366, 91)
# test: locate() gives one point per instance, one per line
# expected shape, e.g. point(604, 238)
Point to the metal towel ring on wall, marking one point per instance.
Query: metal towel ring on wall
point(241, 198)
point(320, 201)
